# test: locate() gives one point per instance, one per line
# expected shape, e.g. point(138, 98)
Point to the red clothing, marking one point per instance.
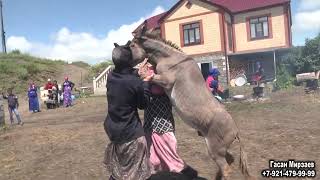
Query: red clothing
point(208, 82)
point(49, 86)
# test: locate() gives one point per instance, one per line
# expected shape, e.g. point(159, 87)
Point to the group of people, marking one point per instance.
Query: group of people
point(66, 90)
point(34, 106)
point(137, 150)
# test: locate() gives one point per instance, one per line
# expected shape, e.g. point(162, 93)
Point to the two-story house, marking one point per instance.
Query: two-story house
point(229, 34)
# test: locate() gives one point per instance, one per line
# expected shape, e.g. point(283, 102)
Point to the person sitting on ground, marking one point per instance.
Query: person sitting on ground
point(49, 85)
point(33, 98)
point(126, 156)
point(13, 105)
point(159, 127)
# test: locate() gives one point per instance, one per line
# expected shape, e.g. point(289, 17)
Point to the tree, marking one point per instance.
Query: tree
point(311, 55)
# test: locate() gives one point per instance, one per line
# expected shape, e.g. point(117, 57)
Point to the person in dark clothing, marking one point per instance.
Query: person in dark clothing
point(55, 84)
point(126, 157)
point(13, 105)
point(259, 78)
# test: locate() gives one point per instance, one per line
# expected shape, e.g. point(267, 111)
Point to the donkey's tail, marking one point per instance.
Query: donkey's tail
point(243, 161)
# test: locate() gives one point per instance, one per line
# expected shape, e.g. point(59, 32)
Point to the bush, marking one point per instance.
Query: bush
point(3, 68)
point(22, 73)
point(16, 51)
point(97, 69)
point(284, 78)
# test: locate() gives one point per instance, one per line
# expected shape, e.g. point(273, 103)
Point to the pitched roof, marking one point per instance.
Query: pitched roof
point(233, 6)
point(236, 6)
point(153, 22)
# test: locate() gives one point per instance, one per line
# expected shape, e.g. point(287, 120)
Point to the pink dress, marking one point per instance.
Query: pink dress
point(159, 128)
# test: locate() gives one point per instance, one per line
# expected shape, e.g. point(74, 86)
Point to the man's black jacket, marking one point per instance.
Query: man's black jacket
point(125, 93)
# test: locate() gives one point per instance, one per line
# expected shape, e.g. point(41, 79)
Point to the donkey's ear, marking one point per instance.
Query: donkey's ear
point(141, 30)
point(128, 43)
point(116, 44)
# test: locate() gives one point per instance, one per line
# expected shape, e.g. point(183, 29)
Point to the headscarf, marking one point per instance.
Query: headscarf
point(214, 72)
point(32, 86)
point(122, 56)
point(258, 64)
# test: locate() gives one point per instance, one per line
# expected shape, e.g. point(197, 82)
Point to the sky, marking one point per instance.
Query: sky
point(85, 30)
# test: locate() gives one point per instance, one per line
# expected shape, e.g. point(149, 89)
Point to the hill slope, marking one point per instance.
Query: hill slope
point(18, 70)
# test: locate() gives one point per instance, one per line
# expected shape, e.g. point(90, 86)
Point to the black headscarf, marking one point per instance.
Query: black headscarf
point(122, 56)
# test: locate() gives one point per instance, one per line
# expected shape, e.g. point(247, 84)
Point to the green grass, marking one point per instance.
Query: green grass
point(95, 70)
point(17, 70)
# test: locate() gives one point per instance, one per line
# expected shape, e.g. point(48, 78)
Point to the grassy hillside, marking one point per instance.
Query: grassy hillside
point(17, 70)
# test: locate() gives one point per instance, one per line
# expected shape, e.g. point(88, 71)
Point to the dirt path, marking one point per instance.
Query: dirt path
point(68, 144)
point(76, 74)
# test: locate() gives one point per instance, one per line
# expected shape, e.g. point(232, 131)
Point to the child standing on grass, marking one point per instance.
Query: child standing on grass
point(13, 106)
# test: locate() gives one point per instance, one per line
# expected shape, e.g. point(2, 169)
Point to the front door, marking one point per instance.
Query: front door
point(205, 68)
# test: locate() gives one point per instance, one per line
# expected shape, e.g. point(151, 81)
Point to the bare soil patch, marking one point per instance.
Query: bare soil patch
point(69, 143)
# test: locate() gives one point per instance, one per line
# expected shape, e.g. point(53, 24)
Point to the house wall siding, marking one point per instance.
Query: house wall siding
point(197, 7)
point(278, 37)
point(211, 33)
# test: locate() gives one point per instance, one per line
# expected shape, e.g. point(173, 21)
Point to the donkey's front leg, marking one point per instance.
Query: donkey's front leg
point(162, 81)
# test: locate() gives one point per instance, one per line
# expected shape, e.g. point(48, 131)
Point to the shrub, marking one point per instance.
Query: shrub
point(95, 70)
point(16, 51)
point(284, 78)
point(22, 73)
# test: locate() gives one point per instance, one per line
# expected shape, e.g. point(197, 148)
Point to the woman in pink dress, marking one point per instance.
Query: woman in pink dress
point(159, 127)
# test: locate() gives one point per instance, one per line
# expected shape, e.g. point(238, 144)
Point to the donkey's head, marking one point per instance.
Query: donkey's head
point(148, 43)
point(137, 47)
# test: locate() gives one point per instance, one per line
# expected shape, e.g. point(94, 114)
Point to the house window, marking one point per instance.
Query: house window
point(259, 27)
point(230, 36)
point(191, 34)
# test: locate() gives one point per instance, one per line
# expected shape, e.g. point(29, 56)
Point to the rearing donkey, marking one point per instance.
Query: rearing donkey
point(183, 82)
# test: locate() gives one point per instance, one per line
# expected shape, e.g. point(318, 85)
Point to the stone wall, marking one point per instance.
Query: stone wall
point(217, 60)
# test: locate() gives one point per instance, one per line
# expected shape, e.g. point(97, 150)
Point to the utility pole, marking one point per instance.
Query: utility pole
point(4, 48)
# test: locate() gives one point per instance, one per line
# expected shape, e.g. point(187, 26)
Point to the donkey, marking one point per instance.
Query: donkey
point(183, 82)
